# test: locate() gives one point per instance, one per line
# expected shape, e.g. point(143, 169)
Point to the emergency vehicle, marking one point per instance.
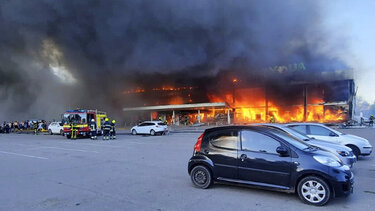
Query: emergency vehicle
point(81, 119)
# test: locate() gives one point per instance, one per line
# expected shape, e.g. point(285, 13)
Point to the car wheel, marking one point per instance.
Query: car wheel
point(355, 150)
point(152, 132)
point(313, 190)
point(201, 177)
point(61, 132)
point(50, 132)
point(68, 136)
point(134, 132)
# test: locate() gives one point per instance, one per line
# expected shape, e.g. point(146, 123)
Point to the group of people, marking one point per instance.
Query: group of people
point(108, 128)
point(16, 126)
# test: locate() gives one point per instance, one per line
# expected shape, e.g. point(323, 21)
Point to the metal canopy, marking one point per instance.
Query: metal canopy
point(178, 107)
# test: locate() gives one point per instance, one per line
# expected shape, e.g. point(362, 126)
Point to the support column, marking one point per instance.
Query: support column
point(199, 116)
point(173, 118)
point(228, 113)
point(304, 103)
point(266, 99)
point(151, 115)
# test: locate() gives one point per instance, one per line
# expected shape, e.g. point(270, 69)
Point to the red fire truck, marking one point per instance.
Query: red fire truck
point(81, 119)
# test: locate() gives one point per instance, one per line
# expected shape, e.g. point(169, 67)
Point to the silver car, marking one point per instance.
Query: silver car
point(359, 145)
point(344, 153)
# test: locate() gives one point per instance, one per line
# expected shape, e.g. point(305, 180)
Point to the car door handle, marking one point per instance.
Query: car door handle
point(243, 157)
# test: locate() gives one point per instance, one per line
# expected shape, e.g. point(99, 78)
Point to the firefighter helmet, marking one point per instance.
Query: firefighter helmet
point(113, 121)
point(92, 120)
point(106, 119)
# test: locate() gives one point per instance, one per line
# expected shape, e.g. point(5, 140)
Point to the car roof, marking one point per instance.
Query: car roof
point(152, 122)
point(271, 124)
point(236, 127)
point(305, 123)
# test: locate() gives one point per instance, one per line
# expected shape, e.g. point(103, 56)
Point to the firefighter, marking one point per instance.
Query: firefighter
point(35, 127)
point(272, 119)
point(106, 129)
point(113, 130)
point(93, 130)
point(372, 120)
point(73, 130)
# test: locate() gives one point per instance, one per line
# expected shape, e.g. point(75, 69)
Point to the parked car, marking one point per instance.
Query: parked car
point(269, 159)
point(360, 146)
point(150, 127)
point(56, 128)
point(344, 153)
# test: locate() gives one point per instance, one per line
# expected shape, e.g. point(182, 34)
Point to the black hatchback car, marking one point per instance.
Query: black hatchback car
point(269, 159)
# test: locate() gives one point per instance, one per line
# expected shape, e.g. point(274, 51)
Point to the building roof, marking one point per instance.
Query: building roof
point(178, 107)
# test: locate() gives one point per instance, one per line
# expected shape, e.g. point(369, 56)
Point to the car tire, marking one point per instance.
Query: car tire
point(134, 132)
point(314, 191)
point(50, 132)
point(68, 136)
point(201, 177)
point(152, 132)
point(355, 150)
point(62, 132)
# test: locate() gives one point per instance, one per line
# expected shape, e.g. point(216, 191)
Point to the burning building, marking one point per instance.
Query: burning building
point(281, 94)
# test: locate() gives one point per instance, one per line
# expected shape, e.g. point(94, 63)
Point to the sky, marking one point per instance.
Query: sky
point(354, 21)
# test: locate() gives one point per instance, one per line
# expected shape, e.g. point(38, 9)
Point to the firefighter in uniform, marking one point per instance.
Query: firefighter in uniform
point(272, 119)
point(106, 129)
point(113, 130)
point(35, 126)
point(73, 130)
point(93, 130)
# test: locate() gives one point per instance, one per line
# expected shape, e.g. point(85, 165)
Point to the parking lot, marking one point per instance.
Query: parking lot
point(43, 172)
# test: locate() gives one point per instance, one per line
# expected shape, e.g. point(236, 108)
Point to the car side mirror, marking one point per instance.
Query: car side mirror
point(283, 151)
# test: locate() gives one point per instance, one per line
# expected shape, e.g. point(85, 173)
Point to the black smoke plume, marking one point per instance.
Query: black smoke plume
point(58, 55)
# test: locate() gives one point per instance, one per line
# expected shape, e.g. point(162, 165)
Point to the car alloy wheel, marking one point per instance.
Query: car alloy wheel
point(314, 190)
point(134, 132)
point(152, 132)
point(201, 177)
point(50, 132)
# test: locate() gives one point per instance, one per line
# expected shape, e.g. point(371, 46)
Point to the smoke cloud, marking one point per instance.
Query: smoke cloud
point(58, 55)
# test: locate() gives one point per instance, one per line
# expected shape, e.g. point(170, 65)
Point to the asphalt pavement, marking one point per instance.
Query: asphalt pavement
point(44, 172)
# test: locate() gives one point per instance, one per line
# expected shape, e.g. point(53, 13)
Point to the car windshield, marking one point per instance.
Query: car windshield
point(338, 132)
point(292, 132)
point(297, 134)
point(291, 139)
point(75, 118)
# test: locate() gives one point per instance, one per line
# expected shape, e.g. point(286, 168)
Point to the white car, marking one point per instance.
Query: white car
point(345, 154)
point(150, 127)
point(56, 128)
point(360, 146)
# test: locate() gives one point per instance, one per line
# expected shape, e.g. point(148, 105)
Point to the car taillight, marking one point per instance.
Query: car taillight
point(197, 146)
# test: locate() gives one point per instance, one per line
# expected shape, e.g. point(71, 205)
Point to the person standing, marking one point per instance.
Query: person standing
point(73, 130)
point(106, 129)
point(113, 130)
point(371, 120)
point(93, 130)
point(35, 127)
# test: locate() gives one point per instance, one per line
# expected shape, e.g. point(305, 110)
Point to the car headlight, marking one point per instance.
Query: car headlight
point(343, 153)
point(327, 161)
